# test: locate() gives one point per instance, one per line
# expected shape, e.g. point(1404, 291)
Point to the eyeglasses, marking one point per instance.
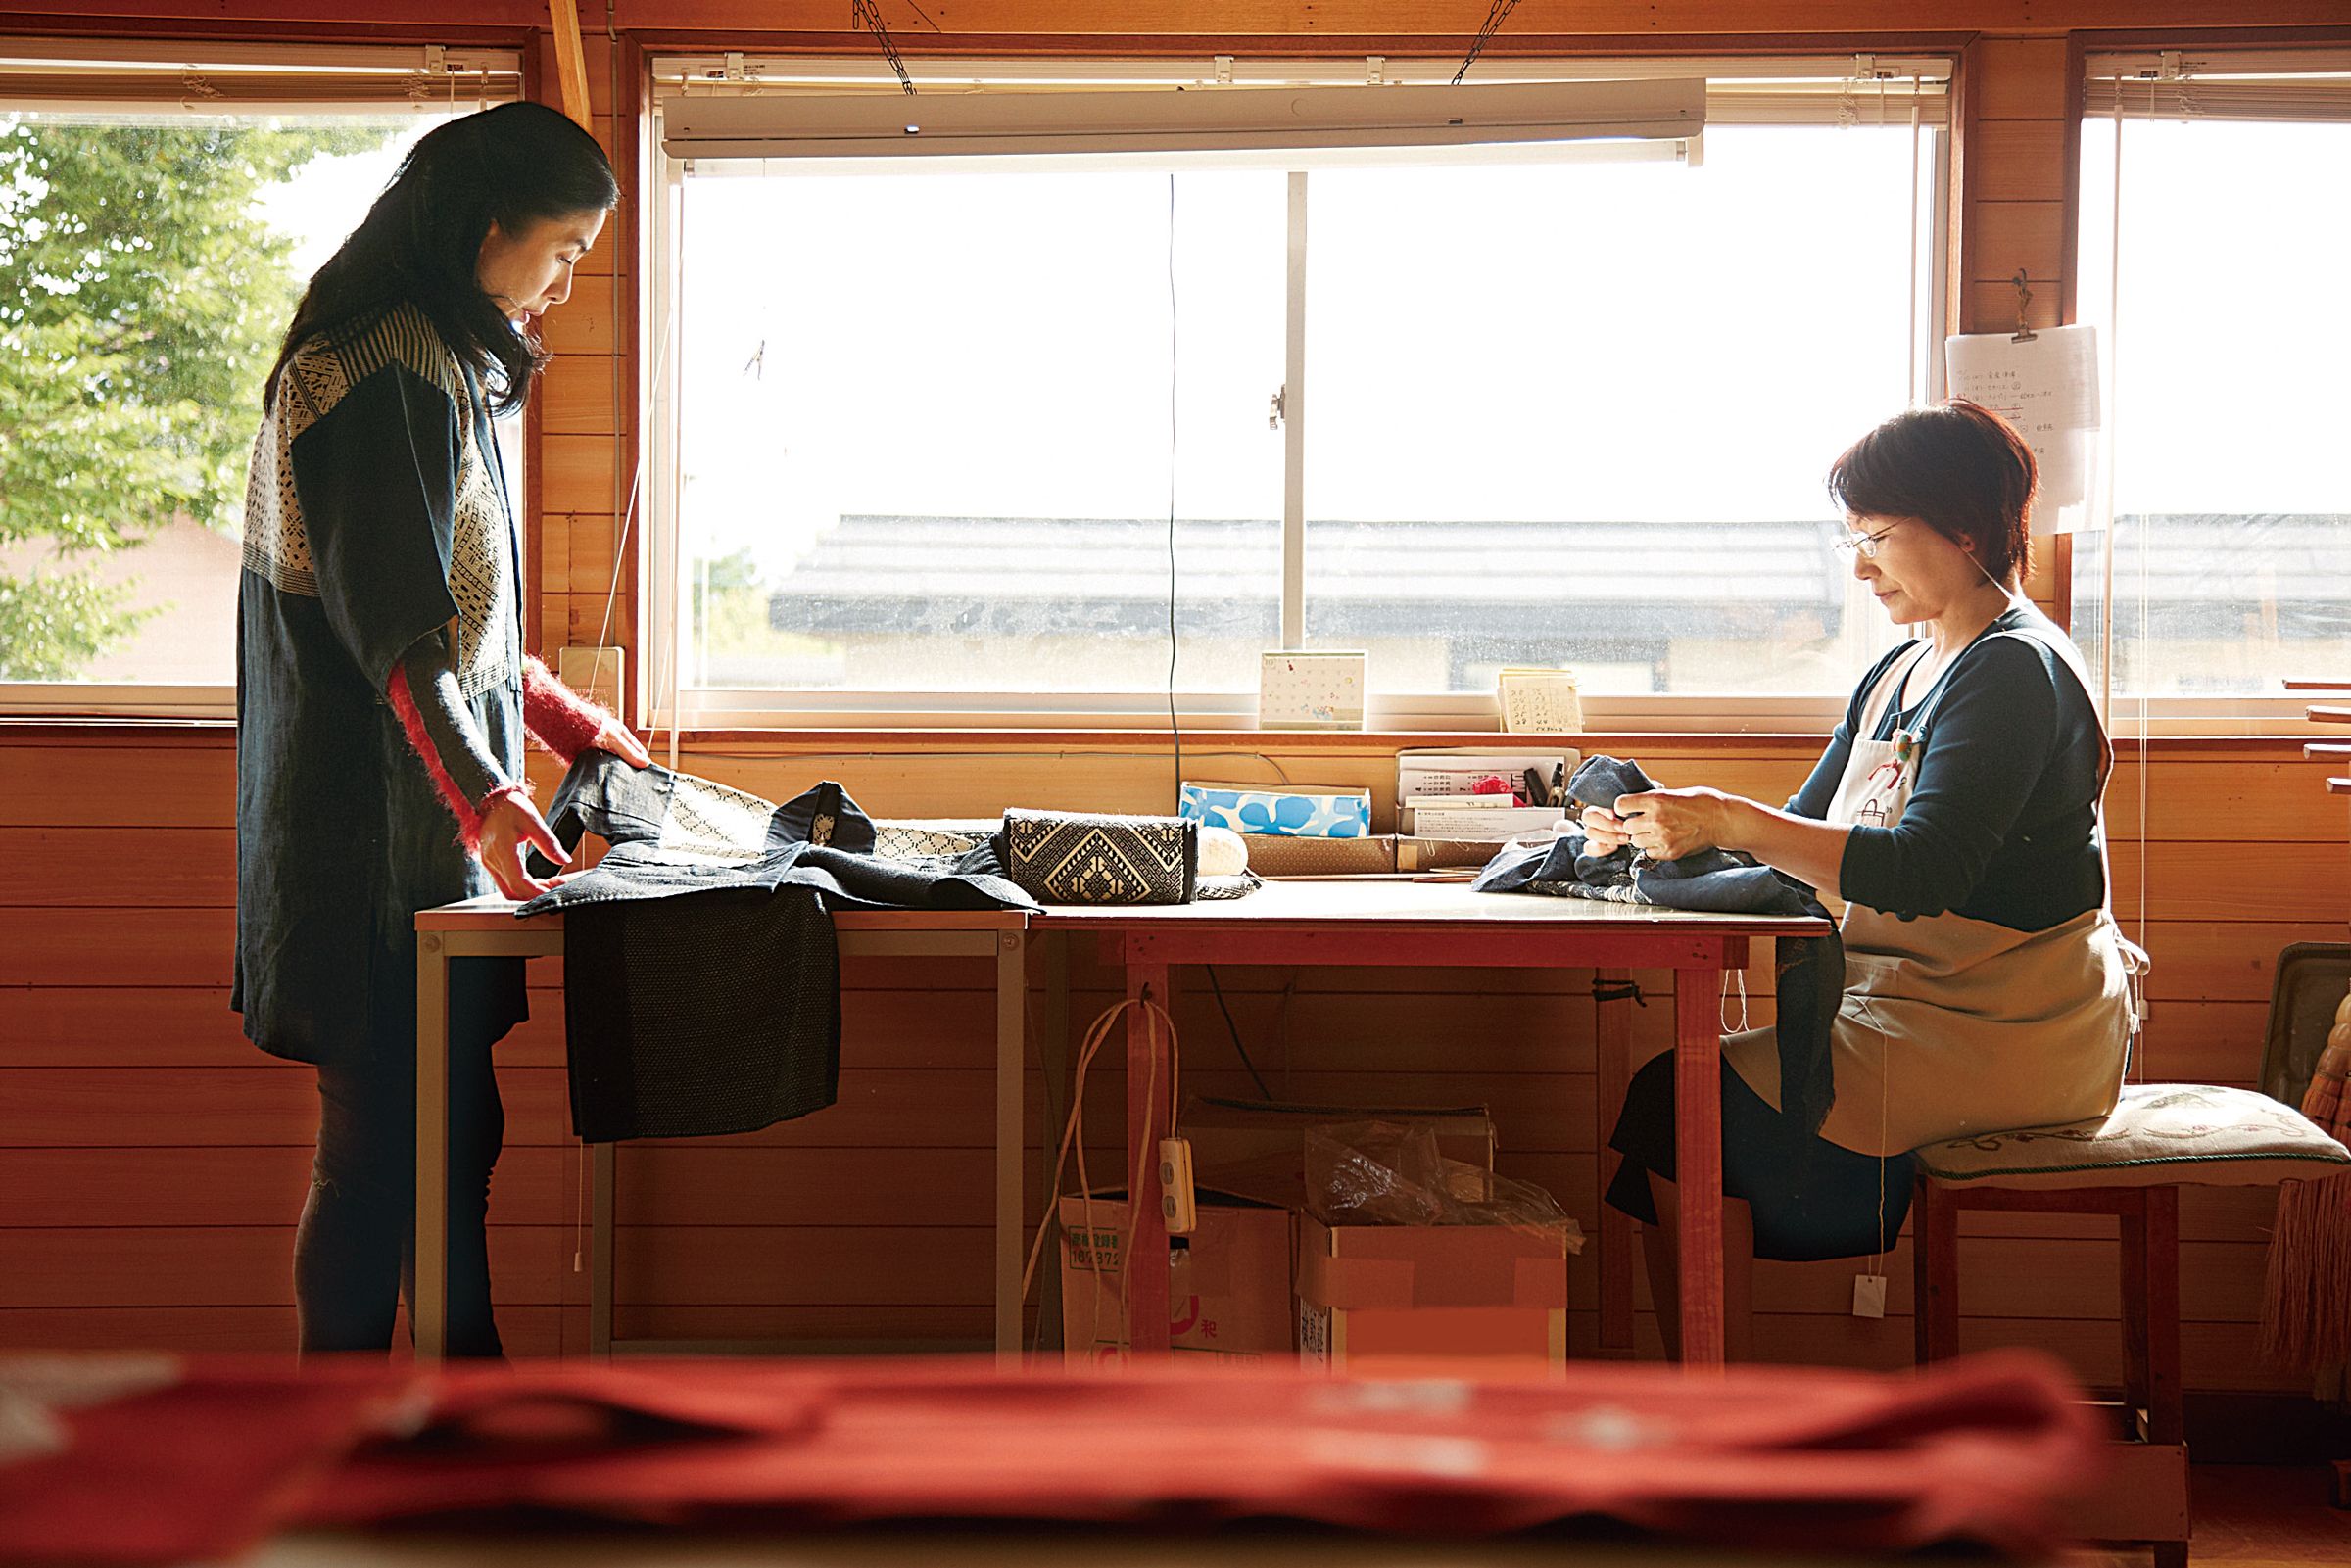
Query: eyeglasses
point(1867, 543)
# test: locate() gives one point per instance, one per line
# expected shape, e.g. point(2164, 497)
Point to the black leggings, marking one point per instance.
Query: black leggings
point(355, 1254)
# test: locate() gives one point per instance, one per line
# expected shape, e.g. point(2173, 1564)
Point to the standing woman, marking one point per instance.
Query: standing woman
point(382, 691)
point(1955, 813)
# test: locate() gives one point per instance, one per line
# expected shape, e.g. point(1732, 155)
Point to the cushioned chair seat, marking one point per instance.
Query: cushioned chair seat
point(2162, 1134)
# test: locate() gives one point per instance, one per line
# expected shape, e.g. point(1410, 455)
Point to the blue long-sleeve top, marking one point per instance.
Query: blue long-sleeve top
point(2002, 820)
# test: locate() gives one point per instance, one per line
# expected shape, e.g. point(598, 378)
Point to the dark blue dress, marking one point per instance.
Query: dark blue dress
point(375, 516)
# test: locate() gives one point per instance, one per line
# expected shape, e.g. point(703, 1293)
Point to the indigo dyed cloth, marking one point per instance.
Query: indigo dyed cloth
point(1809, 978)
point(702, 981)
point(375, 516)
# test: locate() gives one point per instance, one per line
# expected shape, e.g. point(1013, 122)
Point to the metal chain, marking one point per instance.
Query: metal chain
point(1495, 15)
point(869, 17)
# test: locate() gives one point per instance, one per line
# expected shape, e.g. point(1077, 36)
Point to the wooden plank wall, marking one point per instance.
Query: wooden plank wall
point(151, 1163)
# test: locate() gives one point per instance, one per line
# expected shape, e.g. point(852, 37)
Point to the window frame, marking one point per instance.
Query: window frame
point(1751, 78)
point(2172, 59)
point(149, 75)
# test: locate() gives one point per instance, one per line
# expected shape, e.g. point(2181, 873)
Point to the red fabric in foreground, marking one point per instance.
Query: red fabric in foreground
point(200, 1469)
point(1985, 1451)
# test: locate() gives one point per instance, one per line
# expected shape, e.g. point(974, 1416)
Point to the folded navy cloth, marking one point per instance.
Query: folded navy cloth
point(1809, 972)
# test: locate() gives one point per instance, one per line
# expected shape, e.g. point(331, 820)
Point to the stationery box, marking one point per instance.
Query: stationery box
point(1228, 1287)
point(1374, 1295)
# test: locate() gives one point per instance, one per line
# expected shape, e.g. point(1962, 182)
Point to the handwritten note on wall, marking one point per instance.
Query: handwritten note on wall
point(2048, 387)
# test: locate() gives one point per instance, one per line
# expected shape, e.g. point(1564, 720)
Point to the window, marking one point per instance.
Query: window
point(159, 217)
point(2212, 244)
point(931, 429)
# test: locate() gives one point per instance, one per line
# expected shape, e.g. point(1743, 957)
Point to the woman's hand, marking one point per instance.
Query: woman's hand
point(511, 826)
point(621, 740)
point(1603, 830)
point(1668, 823)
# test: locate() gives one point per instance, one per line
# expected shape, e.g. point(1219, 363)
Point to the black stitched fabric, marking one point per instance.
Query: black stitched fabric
point(689, 1016)
point(701, 981)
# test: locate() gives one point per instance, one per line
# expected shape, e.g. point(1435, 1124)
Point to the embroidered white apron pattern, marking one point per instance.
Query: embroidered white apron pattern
point(1951, 1025)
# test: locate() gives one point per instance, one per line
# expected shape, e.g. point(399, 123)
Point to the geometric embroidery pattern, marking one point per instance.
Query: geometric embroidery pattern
point(481, 566)
point(1076, 860)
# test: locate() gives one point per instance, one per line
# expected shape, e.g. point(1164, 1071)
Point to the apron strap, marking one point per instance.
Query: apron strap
point(1882, 694)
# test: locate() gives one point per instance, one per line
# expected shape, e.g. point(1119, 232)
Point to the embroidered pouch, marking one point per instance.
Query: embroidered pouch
point(1059, 857)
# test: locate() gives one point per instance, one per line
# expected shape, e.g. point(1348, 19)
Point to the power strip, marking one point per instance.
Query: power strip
point(1175, 1202)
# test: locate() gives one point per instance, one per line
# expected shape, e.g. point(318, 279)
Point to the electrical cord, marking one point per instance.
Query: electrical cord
point(1234, 1030)
point(1174, 726)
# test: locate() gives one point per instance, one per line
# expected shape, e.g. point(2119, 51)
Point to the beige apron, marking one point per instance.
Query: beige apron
point(1951, 1025)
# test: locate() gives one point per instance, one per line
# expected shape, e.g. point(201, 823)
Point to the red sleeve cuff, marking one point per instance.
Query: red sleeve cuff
point(558, 718)
point(467, 813)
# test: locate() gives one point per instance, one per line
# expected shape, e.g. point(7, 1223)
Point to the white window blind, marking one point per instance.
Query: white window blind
point(2234, 85)
point(54, 74)
point(1816, 90)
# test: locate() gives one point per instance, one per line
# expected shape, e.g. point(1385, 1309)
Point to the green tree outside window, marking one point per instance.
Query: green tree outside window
point(142, 294)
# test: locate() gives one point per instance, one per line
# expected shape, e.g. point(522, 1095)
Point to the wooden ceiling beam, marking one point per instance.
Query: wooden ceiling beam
point(571, 60)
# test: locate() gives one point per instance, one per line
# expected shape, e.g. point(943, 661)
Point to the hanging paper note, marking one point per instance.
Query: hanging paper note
point(2048, 387)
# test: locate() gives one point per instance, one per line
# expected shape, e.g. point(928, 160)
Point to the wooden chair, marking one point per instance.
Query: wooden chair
point(2130, 1164)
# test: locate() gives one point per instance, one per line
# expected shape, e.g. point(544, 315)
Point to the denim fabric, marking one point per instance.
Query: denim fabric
point(700, 977)
point(820, 839)
point(1809, 978)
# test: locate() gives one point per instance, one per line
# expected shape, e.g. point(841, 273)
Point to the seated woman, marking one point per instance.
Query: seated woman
point(1955, 813)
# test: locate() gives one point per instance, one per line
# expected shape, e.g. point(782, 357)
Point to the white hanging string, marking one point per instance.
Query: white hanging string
point(2135, 1068)
point(2145, 624)
point(1910, 386)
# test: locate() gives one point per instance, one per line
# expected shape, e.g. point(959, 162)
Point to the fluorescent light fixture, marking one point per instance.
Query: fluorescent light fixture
point(1296, 127)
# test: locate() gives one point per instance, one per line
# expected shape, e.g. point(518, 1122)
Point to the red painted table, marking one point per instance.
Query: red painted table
point(1439, 924)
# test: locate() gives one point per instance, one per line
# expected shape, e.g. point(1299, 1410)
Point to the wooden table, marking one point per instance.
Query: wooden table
point(1441, 924)
point(484, 927)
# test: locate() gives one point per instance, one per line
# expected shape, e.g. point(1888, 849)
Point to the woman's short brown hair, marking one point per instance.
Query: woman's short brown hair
point(1957, 467)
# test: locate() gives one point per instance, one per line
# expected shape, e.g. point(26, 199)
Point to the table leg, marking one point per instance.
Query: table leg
point(1053, 1062)
point(603, 1239)
point(1613, 1047)
point(1697, 1161)
point(428, 1310)
point(1146, 1124)
point(1012, 1002)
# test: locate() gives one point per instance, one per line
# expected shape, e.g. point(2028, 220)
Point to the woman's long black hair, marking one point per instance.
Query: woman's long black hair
point(514, 165)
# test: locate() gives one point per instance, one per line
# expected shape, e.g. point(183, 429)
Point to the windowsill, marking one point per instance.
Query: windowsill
point(130, 730)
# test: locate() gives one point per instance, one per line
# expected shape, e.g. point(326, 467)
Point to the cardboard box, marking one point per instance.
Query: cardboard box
point(1257, 1148)
point(1369, 1295)
point(1229, 1290)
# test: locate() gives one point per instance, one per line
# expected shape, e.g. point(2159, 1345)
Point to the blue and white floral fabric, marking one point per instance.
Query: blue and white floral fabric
point(1282, 813)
